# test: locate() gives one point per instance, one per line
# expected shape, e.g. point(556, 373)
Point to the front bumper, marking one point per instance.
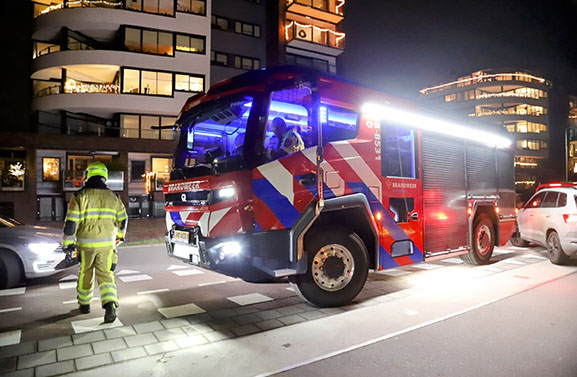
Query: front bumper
point(47, 264)
point(254, 257)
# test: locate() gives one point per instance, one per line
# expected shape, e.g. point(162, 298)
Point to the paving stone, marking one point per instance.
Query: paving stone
point(331, 311)
point(119, 332)
point(270, 314)
point(199, 318)
point(202, 327)
point(140, 340)
point(314, 314)
point(221, 324)
point(268, 305)
point(175, 322)
point(245, 310)
point(269, 325)
point(8, 365)
point(88, 337)
point(142, 328)
point(18, 349)
point(291, 319)
point(55, 369)
point(93, 361)
point(109, 345)
point(247, 318)
point(216, 336)
point(191, 341)
point(170, 334)
point(154, 349)
point(128, 354)
point(20, 373)
point(35, 359)
point(245, 330)
point(290, 310)
point(221, 314)
point(68, 353)
point(53, 343)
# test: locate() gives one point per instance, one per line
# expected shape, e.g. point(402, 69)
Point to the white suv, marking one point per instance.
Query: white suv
point(549, 219)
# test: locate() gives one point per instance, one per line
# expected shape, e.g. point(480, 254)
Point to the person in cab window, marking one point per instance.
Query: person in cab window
point(274, 150)
point(292, 141)
point(239, 144)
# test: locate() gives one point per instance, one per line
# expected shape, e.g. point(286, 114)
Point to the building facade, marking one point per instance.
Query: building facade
point(515, 99)
point(571, 140)
point(105, 75)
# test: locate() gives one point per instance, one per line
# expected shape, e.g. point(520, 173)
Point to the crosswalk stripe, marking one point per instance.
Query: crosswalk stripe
point(180, 310)
point(127, 272)
point(13, 291)
point(175, 267)
point(252, 298)
point(131, 278)
point(69, 277)
point(212, 283)
point(93, 324)
point(187, 272)
point(10, 310)
point(154, 291)
point(67, 285)
point(10, 337)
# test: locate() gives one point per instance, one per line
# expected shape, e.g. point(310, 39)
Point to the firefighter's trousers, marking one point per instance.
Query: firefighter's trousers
point(99, 260)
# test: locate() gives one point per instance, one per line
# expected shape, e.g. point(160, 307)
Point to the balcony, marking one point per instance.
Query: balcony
point(297, 33)
point(319, 9)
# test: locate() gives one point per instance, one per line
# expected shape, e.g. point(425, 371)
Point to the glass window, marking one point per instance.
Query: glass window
point(149, 41)
point(130, 125)
point(398, 151)
point(188, 43)
point(150, 6)
point(134, 4)
point(137, 170)
point(166, 7)
point(535, 201)
point(165, 84)
point(562, 201)
point(131, 82)
point(162, 167)
point(191, 6)
point(168, 134)
point(12, 170)
point(132, 39)
point(550, 200)
point(148, 82)
point(165, 44)
point(147, 122)
point(288, 125)
point(338, 123)
point(189, 83)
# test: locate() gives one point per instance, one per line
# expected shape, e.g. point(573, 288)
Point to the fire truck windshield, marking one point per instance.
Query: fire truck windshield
point(218, 132)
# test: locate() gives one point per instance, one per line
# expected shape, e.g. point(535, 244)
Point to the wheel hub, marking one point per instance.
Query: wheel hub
point(332, 267)
point(483, 239)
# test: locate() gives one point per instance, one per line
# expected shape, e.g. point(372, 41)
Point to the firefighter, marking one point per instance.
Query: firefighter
point(96, 223)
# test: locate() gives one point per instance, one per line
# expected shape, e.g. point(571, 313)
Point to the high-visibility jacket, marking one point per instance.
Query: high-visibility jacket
point(96, 217)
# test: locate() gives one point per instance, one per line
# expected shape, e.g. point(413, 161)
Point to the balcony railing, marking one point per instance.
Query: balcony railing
point(43, 88)
point(314, 34)
point(320, 5)
point(40, 9)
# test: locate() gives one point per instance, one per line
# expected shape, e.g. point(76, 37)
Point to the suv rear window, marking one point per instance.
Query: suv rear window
point(562, 202)
point(550, 200)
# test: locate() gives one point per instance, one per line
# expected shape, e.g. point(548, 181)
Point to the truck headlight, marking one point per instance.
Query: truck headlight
point(225, 193)
point(43, 247)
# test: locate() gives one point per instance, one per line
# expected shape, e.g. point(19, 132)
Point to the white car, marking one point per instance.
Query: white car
point(28, 251)
point(549, 219)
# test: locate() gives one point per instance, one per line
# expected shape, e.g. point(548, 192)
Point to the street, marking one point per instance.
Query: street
point(404, 319)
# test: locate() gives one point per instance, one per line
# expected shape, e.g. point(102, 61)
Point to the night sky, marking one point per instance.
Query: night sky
point(401, 46)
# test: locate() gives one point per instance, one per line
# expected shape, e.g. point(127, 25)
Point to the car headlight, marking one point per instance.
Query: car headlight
point(43, 247)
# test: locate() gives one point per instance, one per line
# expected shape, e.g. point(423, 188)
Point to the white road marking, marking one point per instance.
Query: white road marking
point(127, 272)
point(155, 291)
point(488, 268)
point(180, 310)
point(512, 261)
point(410, 312)
point(10, 337)
point(76, 301)
point(426, 266)
point(290, 289)
point(175, 267)
point(69, 277)
point(67, 285)
point(252, 298)
point(212, 283)
point(453, 260)
point(532, 256)
point(187, 272)
point(13, 291)
point(10, 310)
point(93, 324)
point(129, 279)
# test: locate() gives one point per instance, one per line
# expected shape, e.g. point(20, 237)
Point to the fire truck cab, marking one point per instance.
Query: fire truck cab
point(289, 172)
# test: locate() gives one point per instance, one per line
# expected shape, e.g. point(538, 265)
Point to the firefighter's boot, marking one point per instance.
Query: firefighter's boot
point(110, 314)
point(84, 309)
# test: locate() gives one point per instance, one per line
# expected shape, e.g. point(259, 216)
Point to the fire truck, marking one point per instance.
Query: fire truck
point(291, 173)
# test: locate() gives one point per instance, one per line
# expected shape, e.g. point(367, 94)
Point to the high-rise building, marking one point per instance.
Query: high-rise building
point(571, 140)
point(515, 99)
point(105, 75)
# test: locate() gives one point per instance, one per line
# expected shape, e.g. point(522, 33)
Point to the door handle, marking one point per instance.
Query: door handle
point(309, 179)
point(415, 216)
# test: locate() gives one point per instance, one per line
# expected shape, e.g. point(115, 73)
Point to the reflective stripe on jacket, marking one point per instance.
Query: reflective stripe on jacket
point(99, 217)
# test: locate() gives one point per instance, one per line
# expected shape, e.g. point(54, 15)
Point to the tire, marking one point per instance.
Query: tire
point(338, 266)
point(483, 242)
point(10, 269)
point(517, 241)
point(555, 250)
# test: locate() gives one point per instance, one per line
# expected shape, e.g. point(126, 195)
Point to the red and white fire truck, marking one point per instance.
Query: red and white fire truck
point(379, 184)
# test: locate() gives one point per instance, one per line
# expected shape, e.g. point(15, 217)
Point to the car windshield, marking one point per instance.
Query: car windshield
point(218, 132)
point(8, 222)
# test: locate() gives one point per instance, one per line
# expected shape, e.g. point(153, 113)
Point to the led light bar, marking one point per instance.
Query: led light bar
point(426, 123)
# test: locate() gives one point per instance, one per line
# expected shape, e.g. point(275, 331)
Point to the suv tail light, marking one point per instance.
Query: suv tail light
point(570, 218)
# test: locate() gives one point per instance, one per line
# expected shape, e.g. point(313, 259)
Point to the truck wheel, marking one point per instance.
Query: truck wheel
point(337, 269)
point(483, 242)
point(10, 270)
point(554, 250)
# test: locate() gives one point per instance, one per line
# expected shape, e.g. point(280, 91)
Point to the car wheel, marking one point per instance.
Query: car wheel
point(516, 239)
point(337, 269)
point(483, 241)
point(10, 269)
point(554, 250)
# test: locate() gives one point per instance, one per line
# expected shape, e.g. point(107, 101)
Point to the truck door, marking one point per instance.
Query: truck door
point(402, 197)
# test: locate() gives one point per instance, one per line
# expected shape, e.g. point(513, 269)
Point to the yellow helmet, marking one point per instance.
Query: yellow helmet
point(96, 168)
